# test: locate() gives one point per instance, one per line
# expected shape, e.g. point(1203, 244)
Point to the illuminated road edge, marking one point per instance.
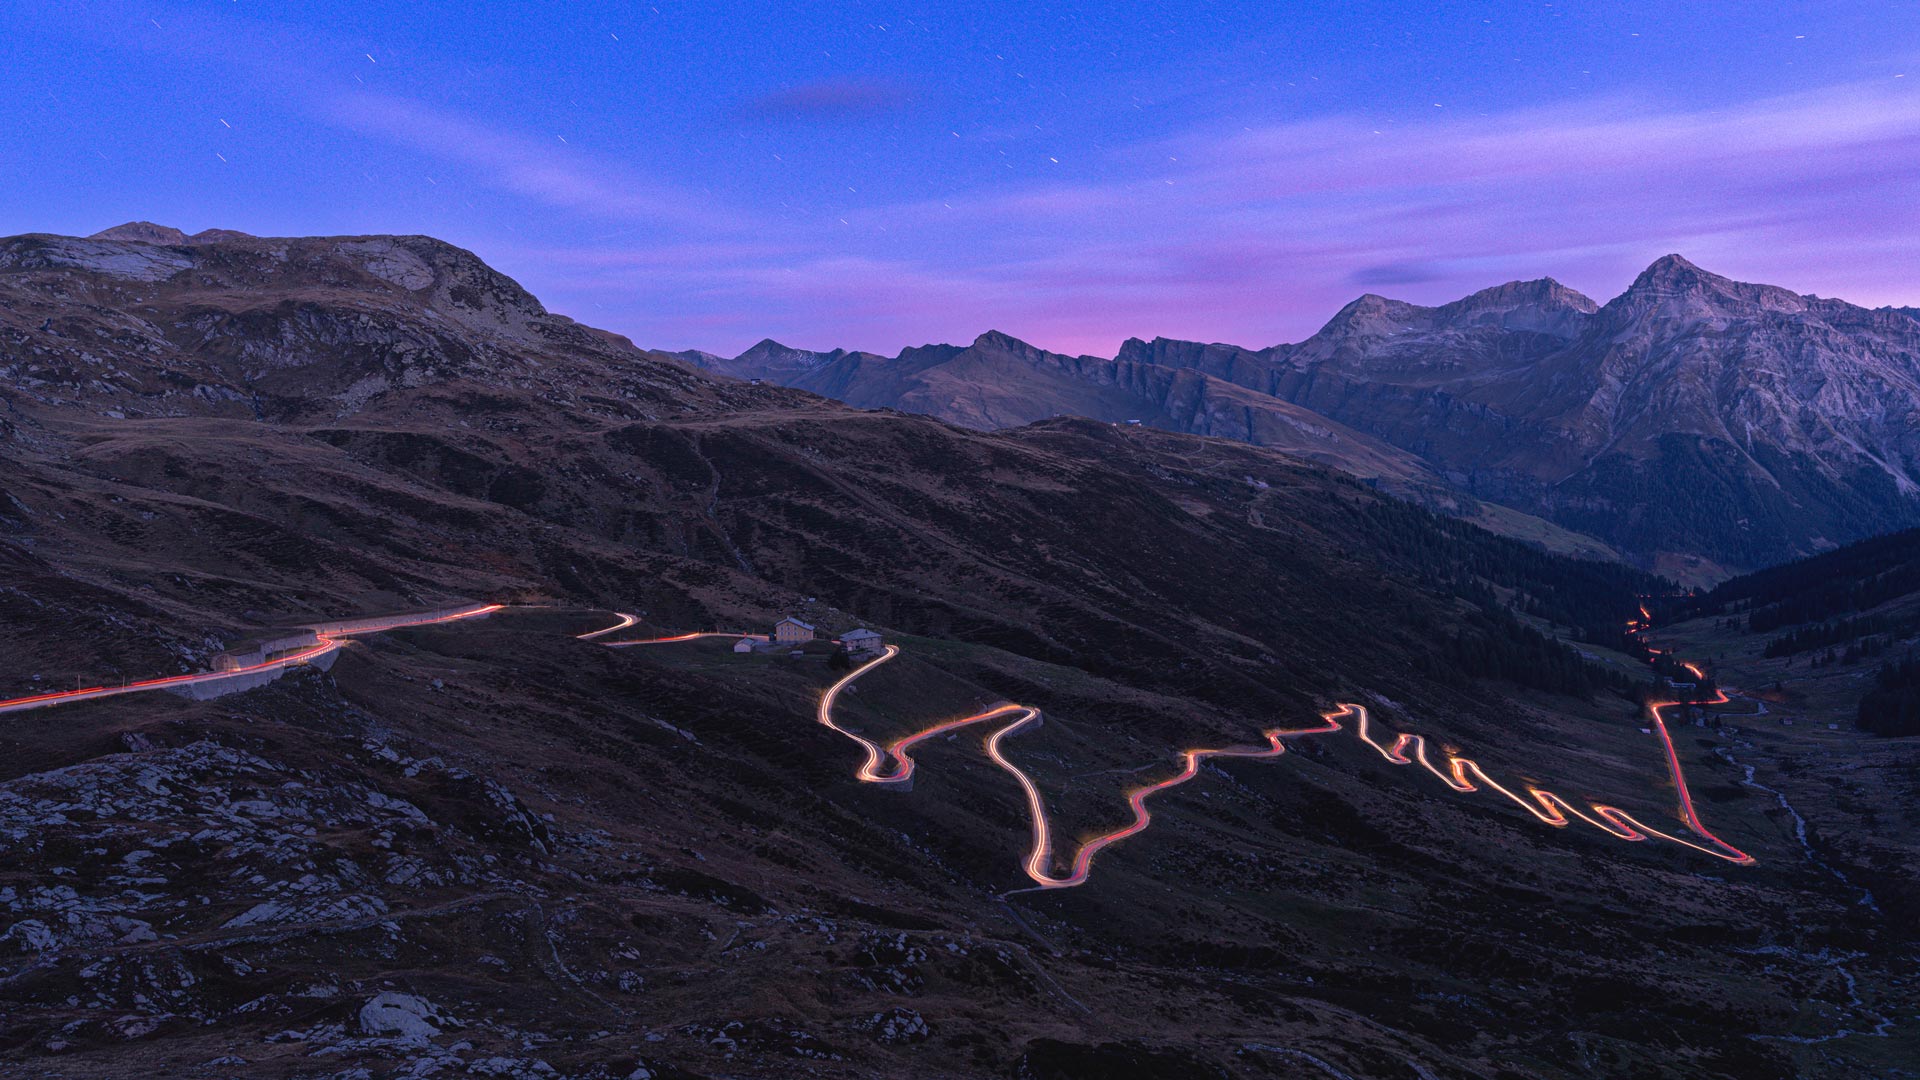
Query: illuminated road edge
point(325, 642)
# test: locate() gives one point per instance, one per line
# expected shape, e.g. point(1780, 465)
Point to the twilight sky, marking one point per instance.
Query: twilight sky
point(704, 174)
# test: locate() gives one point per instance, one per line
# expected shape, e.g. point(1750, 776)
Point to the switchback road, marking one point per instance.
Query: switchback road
point(894, 764)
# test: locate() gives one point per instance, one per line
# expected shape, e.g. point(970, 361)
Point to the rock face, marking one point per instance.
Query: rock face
point(1694, 422)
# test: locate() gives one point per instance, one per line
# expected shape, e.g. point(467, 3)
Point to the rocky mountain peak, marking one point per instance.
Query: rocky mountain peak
point(282, 325)
point(998, 344)
point(1675, 273)
point(767, 347)
point(142, 232)
point(1673, 288)
point(1673, 276)
point(1544, 293)
point(768, 358)
point(1542, 305)
point(218, 236)
point(769, 351)
point(1371, 315)
point(1001, 341)
point(1372, 302)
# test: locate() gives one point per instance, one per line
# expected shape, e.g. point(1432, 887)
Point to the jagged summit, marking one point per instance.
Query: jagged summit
point(1673, 275)
point(1142, 346)
point(1002, 342)
point(1373, 302)
point(1673, 268)
point(1675, 287)
point(1542, 304)
point(768, 352)
point(1539, 292)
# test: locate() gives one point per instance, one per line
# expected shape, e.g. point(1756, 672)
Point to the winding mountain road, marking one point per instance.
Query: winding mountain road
point(893, 763)
point(325, 641)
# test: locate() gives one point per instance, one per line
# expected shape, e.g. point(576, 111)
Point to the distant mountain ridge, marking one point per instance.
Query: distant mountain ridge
point(1000, 381)
point(1699, 424)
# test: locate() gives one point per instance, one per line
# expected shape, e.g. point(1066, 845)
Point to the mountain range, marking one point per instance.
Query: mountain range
point(1697, 425)
point(493, 848)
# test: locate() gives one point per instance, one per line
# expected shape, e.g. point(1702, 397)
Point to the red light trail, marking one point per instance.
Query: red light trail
point(1460, 774)
point(626, 620)
point(1722, 849)
point(659, 640)
point(327, 643)
point(1040, 857)
point(894, 763)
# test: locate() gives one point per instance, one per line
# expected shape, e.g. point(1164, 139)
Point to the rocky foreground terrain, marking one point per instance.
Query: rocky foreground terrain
point(492, 849)
point(1697, 424)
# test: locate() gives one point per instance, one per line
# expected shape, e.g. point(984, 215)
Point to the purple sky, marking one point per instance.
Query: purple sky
point(857, 175)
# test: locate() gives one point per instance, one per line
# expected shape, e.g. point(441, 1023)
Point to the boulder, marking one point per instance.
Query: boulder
point(406, 1016)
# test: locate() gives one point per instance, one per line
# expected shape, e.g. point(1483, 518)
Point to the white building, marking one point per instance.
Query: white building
point(745, 644)
point(861, 641)
point(791, 629)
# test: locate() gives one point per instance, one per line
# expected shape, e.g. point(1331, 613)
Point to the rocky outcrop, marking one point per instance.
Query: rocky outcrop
point(408, 1017)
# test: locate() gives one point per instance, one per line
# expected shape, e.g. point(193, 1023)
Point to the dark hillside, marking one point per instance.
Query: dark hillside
point(558, 858)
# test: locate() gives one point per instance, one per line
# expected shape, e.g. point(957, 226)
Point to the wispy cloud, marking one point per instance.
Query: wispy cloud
point(294, 67)
point(1256, 235)
point(1239, 230)
point(1403, 272)
point(544, 170)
